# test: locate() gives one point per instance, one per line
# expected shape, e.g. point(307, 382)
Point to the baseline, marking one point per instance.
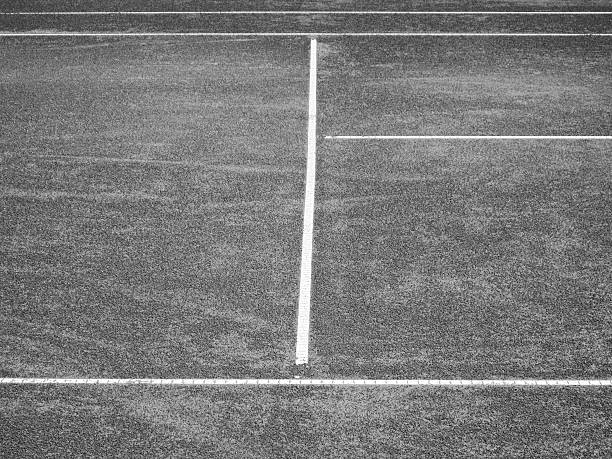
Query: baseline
point(301, 34)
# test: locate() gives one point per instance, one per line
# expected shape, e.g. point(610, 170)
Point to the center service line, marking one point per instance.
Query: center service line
point(303, 323)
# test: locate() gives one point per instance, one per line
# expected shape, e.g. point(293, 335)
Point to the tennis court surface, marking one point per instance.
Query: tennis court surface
point(464, 257)
point(153, 189)
point(154, 194)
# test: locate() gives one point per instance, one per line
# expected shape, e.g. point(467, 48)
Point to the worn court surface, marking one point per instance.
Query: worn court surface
point(152, 195)
point(464, 258)
point(299, 422)
point(339, 5)
point(177, 254)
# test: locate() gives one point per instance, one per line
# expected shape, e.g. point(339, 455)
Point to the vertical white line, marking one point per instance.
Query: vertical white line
point(303, 323)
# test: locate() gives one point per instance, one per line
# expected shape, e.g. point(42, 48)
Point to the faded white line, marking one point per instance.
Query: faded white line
point(312, 382)
point(246, 169)
point(303, 322)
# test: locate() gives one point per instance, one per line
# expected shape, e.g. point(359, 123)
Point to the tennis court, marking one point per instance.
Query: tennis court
point(154, 188)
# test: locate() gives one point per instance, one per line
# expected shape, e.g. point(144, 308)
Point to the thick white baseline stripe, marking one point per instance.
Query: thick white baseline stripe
point(303, 323)
point(310, 382)
point(299, 34)
point(468, 137)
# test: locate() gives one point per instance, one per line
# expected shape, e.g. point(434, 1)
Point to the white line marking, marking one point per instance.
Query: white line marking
point(238, 168)
point(280, 12)
point(309, 382)
point(303, 323)
point(469, 137)
point(298, 34)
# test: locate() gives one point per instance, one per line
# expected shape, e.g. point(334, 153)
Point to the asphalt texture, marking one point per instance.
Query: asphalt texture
point(152, 193)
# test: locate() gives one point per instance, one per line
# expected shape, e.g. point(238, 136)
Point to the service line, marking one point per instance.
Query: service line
point(312, 382)
point(468, 137)
point(295, 12)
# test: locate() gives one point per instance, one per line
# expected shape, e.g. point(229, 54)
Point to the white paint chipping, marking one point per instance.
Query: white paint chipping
point(468, 137)
point(312, 382)
point(303, 323)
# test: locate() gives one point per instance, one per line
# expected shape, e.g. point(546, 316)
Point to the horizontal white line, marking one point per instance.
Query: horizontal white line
point(237, 168)
point(299, 34)
point(469, 137)
point(280, 12)
point(312, 382)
